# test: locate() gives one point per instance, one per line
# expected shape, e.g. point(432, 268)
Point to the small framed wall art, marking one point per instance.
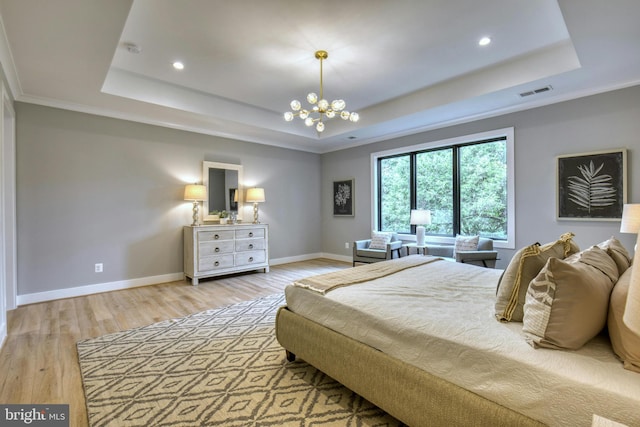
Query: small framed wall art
point(592, 186)
point(343, 192)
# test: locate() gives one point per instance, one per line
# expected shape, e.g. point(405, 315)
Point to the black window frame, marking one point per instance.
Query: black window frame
point(455, 147)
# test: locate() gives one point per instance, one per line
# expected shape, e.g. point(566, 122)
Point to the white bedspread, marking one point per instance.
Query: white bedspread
point(439, 317)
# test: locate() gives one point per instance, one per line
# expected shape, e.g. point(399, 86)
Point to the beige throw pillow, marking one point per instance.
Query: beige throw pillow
point(465, 243)
point(617, 252)
point(566, 304)
point(625, 343)
point(379, 240)
point(523, 267)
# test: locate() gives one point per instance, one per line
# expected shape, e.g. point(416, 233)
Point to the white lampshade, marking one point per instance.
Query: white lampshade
point(420, 217)
point(631, 316)
point(255, 195)
point(630, 218)
point(195, 192)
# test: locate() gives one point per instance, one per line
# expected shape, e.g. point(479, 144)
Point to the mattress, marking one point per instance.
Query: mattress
point(439, 317)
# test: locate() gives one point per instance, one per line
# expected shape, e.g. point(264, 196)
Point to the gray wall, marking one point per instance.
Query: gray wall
point(600, 122)
point(92, 189)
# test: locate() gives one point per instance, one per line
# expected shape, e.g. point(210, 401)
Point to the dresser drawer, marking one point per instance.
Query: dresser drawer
point(250, 245)
point(207, 236)
point(215, 248)
point(250, 233)
point(251, 257)
point(215, 262)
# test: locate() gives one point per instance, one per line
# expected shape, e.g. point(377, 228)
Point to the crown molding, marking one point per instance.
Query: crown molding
point(8, 64)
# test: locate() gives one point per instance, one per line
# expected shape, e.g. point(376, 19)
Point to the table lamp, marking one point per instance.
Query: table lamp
point(195, 193)
point(420, 218)
point(255, 195)
point(631, 224)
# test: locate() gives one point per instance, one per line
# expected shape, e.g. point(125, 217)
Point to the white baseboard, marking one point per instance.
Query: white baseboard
point(146, 281)
point(308, 257)
point(97, 288)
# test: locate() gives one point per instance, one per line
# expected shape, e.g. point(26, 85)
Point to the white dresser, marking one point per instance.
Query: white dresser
point(213, 250)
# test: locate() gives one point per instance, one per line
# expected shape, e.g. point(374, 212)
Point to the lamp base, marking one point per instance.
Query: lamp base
point(195, 214)
point(255, 214)
point(420, 235)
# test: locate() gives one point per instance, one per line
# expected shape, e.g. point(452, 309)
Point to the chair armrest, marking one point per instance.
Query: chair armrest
point(487, 258)
point(394, 245)
point(362, 244)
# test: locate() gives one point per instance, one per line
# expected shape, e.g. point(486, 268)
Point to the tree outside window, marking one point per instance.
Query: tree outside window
point(464, 186)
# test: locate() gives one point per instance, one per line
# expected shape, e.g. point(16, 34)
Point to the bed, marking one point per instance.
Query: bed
point(418, 337)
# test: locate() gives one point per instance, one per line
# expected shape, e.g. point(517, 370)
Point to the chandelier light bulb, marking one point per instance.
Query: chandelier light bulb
point(323, 105)
point(319, 107)
point(338, 105)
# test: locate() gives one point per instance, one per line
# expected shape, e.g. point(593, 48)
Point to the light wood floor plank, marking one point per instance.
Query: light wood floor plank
point(39, 362)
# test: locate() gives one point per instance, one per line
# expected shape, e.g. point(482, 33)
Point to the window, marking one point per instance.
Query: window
point(466, 183)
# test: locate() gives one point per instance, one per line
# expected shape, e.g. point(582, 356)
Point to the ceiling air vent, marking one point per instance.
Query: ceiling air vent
point(536, 91)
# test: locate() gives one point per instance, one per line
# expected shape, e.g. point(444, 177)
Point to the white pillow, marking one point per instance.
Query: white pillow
point(466, 243)
point(379, 240)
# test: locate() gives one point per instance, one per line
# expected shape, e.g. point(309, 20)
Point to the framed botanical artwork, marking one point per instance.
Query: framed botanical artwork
point(592, 186)
point(343, 192)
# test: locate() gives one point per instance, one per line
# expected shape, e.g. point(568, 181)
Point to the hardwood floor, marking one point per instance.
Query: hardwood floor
point(39, 362)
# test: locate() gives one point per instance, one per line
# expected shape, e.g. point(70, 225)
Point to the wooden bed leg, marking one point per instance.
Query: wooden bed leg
point(290, 356)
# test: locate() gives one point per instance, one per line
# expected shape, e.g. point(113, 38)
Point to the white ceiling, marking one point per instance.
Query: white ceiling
point(404, 65)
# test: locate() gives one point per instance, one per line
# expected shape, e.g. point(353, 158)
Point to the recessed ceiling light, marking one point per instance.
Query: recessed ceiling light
point(178, 65)
point(484, 41)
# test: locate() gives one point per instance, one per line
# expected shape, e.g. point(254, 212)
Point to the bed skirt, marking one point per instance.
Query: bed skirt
point(412, 395)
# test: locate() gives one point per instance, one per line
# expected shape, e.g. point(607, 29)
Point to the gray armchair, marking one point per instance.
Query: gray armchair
point(362, 252)
point(483, 256)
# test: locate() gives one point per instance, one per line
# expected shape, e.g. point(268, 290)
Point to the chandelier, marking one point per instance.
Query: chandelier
point(320, 107)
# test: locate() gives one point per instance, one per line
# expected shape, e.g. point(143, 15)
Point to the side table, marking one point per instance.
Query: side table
point(419, 248)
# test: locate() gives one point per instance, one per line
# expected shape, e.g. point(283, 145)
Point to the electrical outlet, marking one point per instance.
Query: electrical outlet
point(346, 245)
point(99, 267)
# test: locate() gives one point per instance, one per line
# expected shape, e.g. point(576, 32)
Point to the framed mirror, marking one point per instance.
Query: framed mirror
point(224, 189)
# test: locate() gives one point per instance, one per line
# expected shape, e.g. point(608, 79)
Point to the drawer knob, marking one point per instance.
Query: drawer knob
point(250, 245)
point(250, 259)
point(217, 263)
point(217, 249)
point(251, 234)
point(217, 236)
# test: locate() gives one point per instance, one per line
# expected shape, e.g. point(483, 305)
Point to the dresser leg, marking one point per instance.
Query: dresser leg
point(194, 281)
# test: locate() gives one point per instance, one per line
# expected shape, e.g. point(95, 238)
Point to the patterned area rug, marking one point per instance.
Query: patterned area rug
point(222, 367)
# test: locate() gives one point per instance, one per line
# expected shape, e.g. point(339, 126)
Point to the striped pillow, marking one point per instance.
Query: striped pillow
point(379, 240)
point(465, 243)
point(524, 267)
point(567, 302)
